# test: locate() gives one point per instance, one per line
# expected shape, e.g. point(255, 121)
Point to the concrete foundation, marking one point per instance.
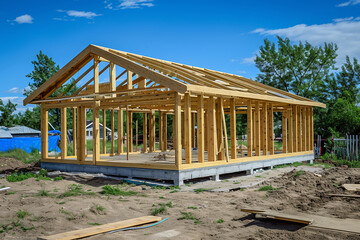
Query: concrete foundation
point(177, 177)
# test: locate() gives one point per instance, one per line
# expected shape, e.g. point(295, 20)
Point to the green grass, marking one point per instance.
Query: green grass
point(299, 173)
point(116, 191)
point(44, 193)
point(268, 188)
point(22, 214)
point(100, 208)
point(21, 155)
point(159, 210)
point(189, 216)
point(59, 178)
point(199, 190)
point(192, 207)
point(75, 190)
point(94, 223)
point(220, 220)
point(20, 176)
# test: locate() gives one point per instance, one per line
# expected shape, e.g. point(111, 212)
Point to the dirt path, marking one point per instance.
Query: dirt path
point(58, 212)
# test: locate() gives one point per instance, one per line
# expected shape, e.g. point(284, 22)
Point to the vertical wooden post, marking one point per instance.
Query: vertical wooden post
point(205, 127)
point(129, 80)
point(291, 137)
point(74, 131)
point(44, 132)
point(96, 74)
point(81, 147)
point(271, 129)
point(265, 136)
point(284, 131)
point(211, 130)
point(63, 133)
point(257, 128)
point(112, 131)
point(129, 134)
point(308, 131)
point(112, 73)
point(152, 131)
point(311, 129)
point(142, 84)
point(136, 136)
point(120, 128)
point(104, 131)
point(249, 129)
point(295, 129)
point(303, 129)
point(233, 128)
point(96, 133)
point(299, 129)
point(253, 128)
point(144, 132)
point(160, 130)
point(220, 129)
point(200, 128)
point(177, 131)
point(165, 132)
point(193, 132)
point(182, 130)
point(187, 120)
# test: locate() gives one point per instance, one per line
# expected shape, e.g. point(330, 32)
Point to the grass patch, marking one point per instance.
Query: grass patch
point(21, 214)
point(116, 191)
point(159, 210)
point(174, 191)
point(75, 190)
point(44, 193)
point(220, 220)
point(192, 207)
point(20, 176)
point(97, 209)
point(22, 156)
point(10, 193)
point(268, 188)
point(94, 223)
point(59, 178)
point(189, 216)
point(199, 190)
point(299, 173)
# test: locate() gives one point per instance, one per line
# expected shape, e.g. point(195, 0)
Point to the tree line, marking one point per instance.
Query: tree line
point(300, 68)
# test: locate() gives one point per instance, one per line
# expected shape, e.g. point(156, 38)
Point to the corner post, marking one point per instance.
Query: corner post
point(44, 132)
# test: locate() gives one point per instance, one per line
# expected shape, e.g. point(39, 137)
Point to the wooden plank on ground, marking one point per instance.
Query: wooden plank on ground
point(313, 221)
point(81, 233)
point(352, 187)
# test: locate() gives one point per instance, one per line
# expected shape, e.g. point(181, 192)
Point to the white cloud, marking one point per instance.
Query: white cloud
point(23, 19)
point(16, 100)
point(15, 90)
point(249, 59)
point(127, 4)
point(71, 14)
point(344, 32)
point(348, 3)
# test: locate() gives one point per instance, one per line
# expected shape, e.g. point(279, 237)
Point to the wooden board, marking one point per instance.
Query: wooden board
point(352, 187)
point(102, 228)
point(313, 221)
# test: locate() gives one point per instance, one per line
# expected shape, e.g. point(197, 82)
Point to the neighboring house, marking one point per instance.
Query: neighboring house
point(18, 131)
point(89, 130)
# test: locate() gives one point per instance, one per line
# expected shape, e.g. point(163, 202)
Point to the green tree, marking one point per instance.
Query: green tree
point(301, 68)
point(310, 71)
point(44, 68)
point(7, 117)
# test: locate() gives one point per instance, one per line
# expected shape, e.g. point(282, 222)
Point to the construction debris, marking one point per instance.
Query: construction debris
point(352, 187)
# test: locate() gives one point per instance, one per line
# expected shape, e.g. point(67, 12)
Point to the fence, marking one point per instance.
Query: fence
point(347, 148)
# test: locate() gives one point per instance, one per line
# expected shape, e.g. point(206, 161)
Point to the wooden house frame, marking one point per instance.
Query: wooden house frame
point(195, 99)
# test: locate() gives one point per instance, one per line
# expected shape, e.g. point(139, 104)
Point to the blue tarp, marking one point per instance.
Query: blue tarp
point(28, 143)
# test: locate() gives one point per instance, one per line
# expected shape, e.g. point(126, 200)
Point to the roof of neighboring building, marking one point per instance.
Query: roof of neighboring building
point(5, 133)
point(23, 130)
point(89, 123)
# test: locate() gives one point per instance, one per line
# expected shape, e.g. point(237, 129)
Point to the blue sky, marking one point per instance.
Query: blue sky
point(221, 35)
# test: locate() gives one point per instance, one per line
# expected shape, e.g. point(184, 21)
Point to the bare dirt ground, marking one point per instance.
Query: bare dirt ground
point(57, 212)
point(10, 165)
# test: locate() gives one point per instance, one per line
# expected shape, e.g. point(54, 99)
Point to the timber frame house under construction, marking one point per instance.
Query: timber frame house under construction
point(194, 100)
